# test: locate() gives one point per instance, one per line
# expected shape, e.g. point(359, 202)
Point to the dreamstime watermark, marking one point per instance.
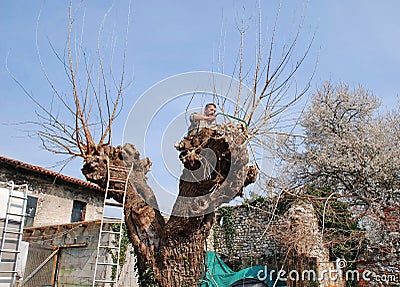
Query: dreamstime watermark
point(159, 119)
point(333, 272)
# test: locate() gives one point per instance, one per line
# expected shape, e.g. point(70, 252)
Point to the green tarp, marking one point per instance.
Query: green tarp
point(218, 274)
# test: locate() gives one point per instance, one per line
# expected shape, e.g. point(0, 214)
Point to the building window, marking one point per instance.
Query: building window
point(78, 211)
point(30, 211)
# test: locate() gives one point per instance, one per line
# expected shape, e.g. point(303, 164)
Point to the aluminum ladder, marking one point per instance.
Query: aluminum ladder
point(12, 231)
point(104, 265)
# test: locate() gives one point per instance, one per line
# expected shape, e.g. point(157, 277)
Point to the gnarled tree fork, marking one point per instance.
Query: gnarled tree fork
point(173, 250)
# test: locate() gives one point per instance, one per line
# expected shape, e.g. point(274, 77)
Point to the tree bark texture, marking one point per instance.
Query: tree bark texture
point(171, 252)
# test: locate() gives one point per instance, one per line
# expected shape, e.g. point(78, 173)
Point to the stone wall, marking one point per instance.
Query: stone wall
point(381, 258)
point(55, 196)
point(253, 234)
point(242, 235)
point(248, 235)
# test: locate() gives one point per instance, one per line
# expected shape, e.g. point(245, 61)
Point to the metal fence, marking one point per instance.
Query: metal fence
point(45, 274)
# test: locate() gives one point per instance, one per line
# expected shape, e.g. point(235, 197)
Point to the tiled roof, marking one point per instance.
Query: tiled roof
point(45, 171)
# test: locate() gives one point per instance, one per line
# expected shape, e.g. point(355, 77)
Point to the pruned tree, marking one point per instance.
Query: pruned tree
point(170, 252)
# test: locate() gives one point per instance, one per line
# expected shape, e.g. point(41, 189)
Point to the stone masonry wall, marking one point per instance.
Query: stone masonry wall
point(381, 259)
point(242, 235)
point(55, 197)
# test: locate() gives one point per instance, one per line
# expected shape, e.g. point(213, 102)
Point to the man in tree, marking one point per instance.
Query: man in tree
point(199, 121)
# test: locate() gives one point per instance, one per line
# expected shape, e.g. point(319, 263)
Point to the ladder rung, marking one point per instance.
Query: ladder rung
point(13, 232)
point(9, 251)
point(114, 204)
point(3, 271)
point(110, 232)
point(16, 214)
point(110, 247)
point(117, 167)
point(116, 190)
point(18, 196)
point(117, 180)
point(111, 217)
point(105, 281)
point(107, 263)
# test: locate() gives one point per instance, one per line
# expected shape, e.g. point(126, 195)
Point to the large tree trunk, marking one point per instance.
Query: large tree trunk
point(171, 253)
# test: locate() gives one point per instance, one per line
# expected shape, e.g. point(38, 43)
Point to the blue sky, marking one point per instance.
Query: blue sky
point(355, 42)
